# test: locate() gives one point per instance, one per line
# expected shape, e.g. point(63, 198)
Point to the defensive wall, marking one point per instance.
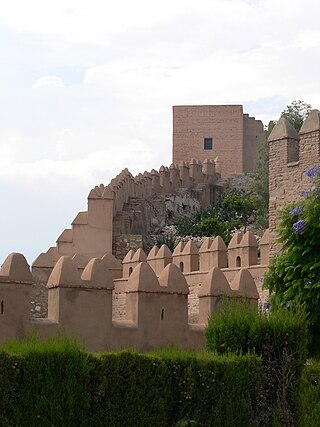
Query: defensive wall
point(146, 303)
point(91, 231)
point(208, 131)
point(242, 251)
point(290, 154)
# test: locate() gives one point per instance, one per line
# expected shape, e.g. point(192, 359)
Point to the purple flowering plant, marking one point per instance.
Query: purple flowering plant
point(294, 273)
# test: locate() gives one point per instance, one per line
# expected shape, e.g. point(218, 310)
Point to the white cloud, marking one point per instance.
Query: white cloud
point(137, 59)
point(48, 81)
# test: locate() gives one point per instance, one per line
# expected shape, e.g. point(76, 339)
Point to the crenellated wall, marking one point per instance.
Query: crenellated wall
point(153, 301)
point(91, 231)
point(243, 251)
point(290, 154)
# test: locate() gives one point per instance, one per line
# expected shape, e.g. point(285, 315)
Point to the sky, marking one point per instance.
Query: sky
point(87, 89)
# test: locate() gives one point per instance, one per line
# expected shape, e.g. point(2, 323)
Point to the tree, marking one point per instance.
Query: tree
point(294, 274)
point(296, 113)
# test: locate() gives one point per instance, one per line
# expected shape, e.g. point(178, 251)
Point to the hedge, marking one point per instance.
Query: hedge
point(58, 384)
point(280, 338)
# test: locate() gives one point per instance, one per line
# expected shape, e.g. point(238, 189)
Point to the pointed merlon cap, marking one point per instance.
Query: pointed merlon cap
point(244, 283)
point(64, 274)
point(139, 256)
point(96, 275)
point(206, 244)
point(190, 248)
point(249, 239)
point(283, 130)
point(218, 244)
point(16, 269)
point(311, 123)
point(265, 239)
point(143, 279)
point(44, 260)
point(173, 280)
point(178, 249)
point(100, 192)
point(164, 252)
point(215, 284)
point(111, 262)
point(235, 241)
point(81, 219)
point(153, 253)
point(81, 260)
point(128, 257)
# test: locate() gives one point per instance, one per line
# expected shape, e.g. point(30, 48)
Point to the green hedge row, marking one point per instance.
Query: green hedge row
point(309, 395)
point(280, 338)
point(58, 384)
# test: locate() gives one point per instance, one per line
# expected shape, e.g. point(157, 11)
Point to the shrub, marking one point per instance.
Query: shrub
point(57, 384)
point(309, 395)
point(51, 387)
point(281, 340)
point(234, 211)
point(294, 274)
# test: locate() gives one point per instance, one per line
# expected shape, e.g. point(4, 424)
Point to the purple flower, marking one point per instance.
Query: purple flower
point(299, 226)
point(306, 193)
point(297, 211)
point(317, 190)
point(313, 173)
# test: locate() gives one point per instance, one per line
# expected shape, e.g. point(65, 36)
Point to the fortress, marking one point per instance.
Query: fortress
point(159, 299)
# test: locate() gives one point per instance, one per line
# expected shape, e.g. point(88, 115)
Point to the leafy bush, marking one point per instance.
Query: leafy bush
point(281, 340)
point(309, 395)
point(294, 274)
point(57, 384)
point(51, 385)
point(234, 211)
point(206, 389)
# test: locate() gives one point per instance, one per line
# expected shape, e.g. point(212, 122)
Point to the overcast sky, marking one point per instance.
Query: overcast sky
point(87, 88)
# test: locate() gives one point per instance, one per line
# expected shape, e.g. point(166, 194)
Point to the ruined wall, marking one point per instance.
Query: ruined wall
point(234, 136)
point(290, 155)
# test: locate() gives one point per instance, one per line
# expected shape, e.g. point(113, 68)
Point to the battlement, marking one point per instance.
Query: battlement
point(92, 230)
point(155, 294)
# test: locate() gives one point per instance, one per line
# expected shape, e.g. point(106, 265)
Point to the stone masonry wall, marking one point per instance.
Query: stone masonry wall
point(235, 136)
point(290, 154)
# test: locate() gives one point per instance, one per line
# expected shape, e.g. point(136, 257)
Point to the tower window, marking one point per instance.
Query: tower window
point(207, 143)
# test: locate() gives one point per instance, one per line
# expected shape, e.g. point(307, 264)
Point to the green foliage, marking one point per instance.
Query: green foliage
point(234, 211)
point(210, 390)
point(280, 338)
point(57, 384)
point(9, 374)
point(309, 395)
point(167, 239)
point(129, 389)
point(294, 274)
point(296, 113)
point(51, 382)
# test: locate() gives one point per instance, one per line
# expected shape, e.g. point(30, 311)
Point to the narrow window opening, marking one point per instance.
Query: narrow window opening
point(238, 262)
point(207, 143)
point(162, 314)
point(2, 307)
point(130, 270)
point(181, 266)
